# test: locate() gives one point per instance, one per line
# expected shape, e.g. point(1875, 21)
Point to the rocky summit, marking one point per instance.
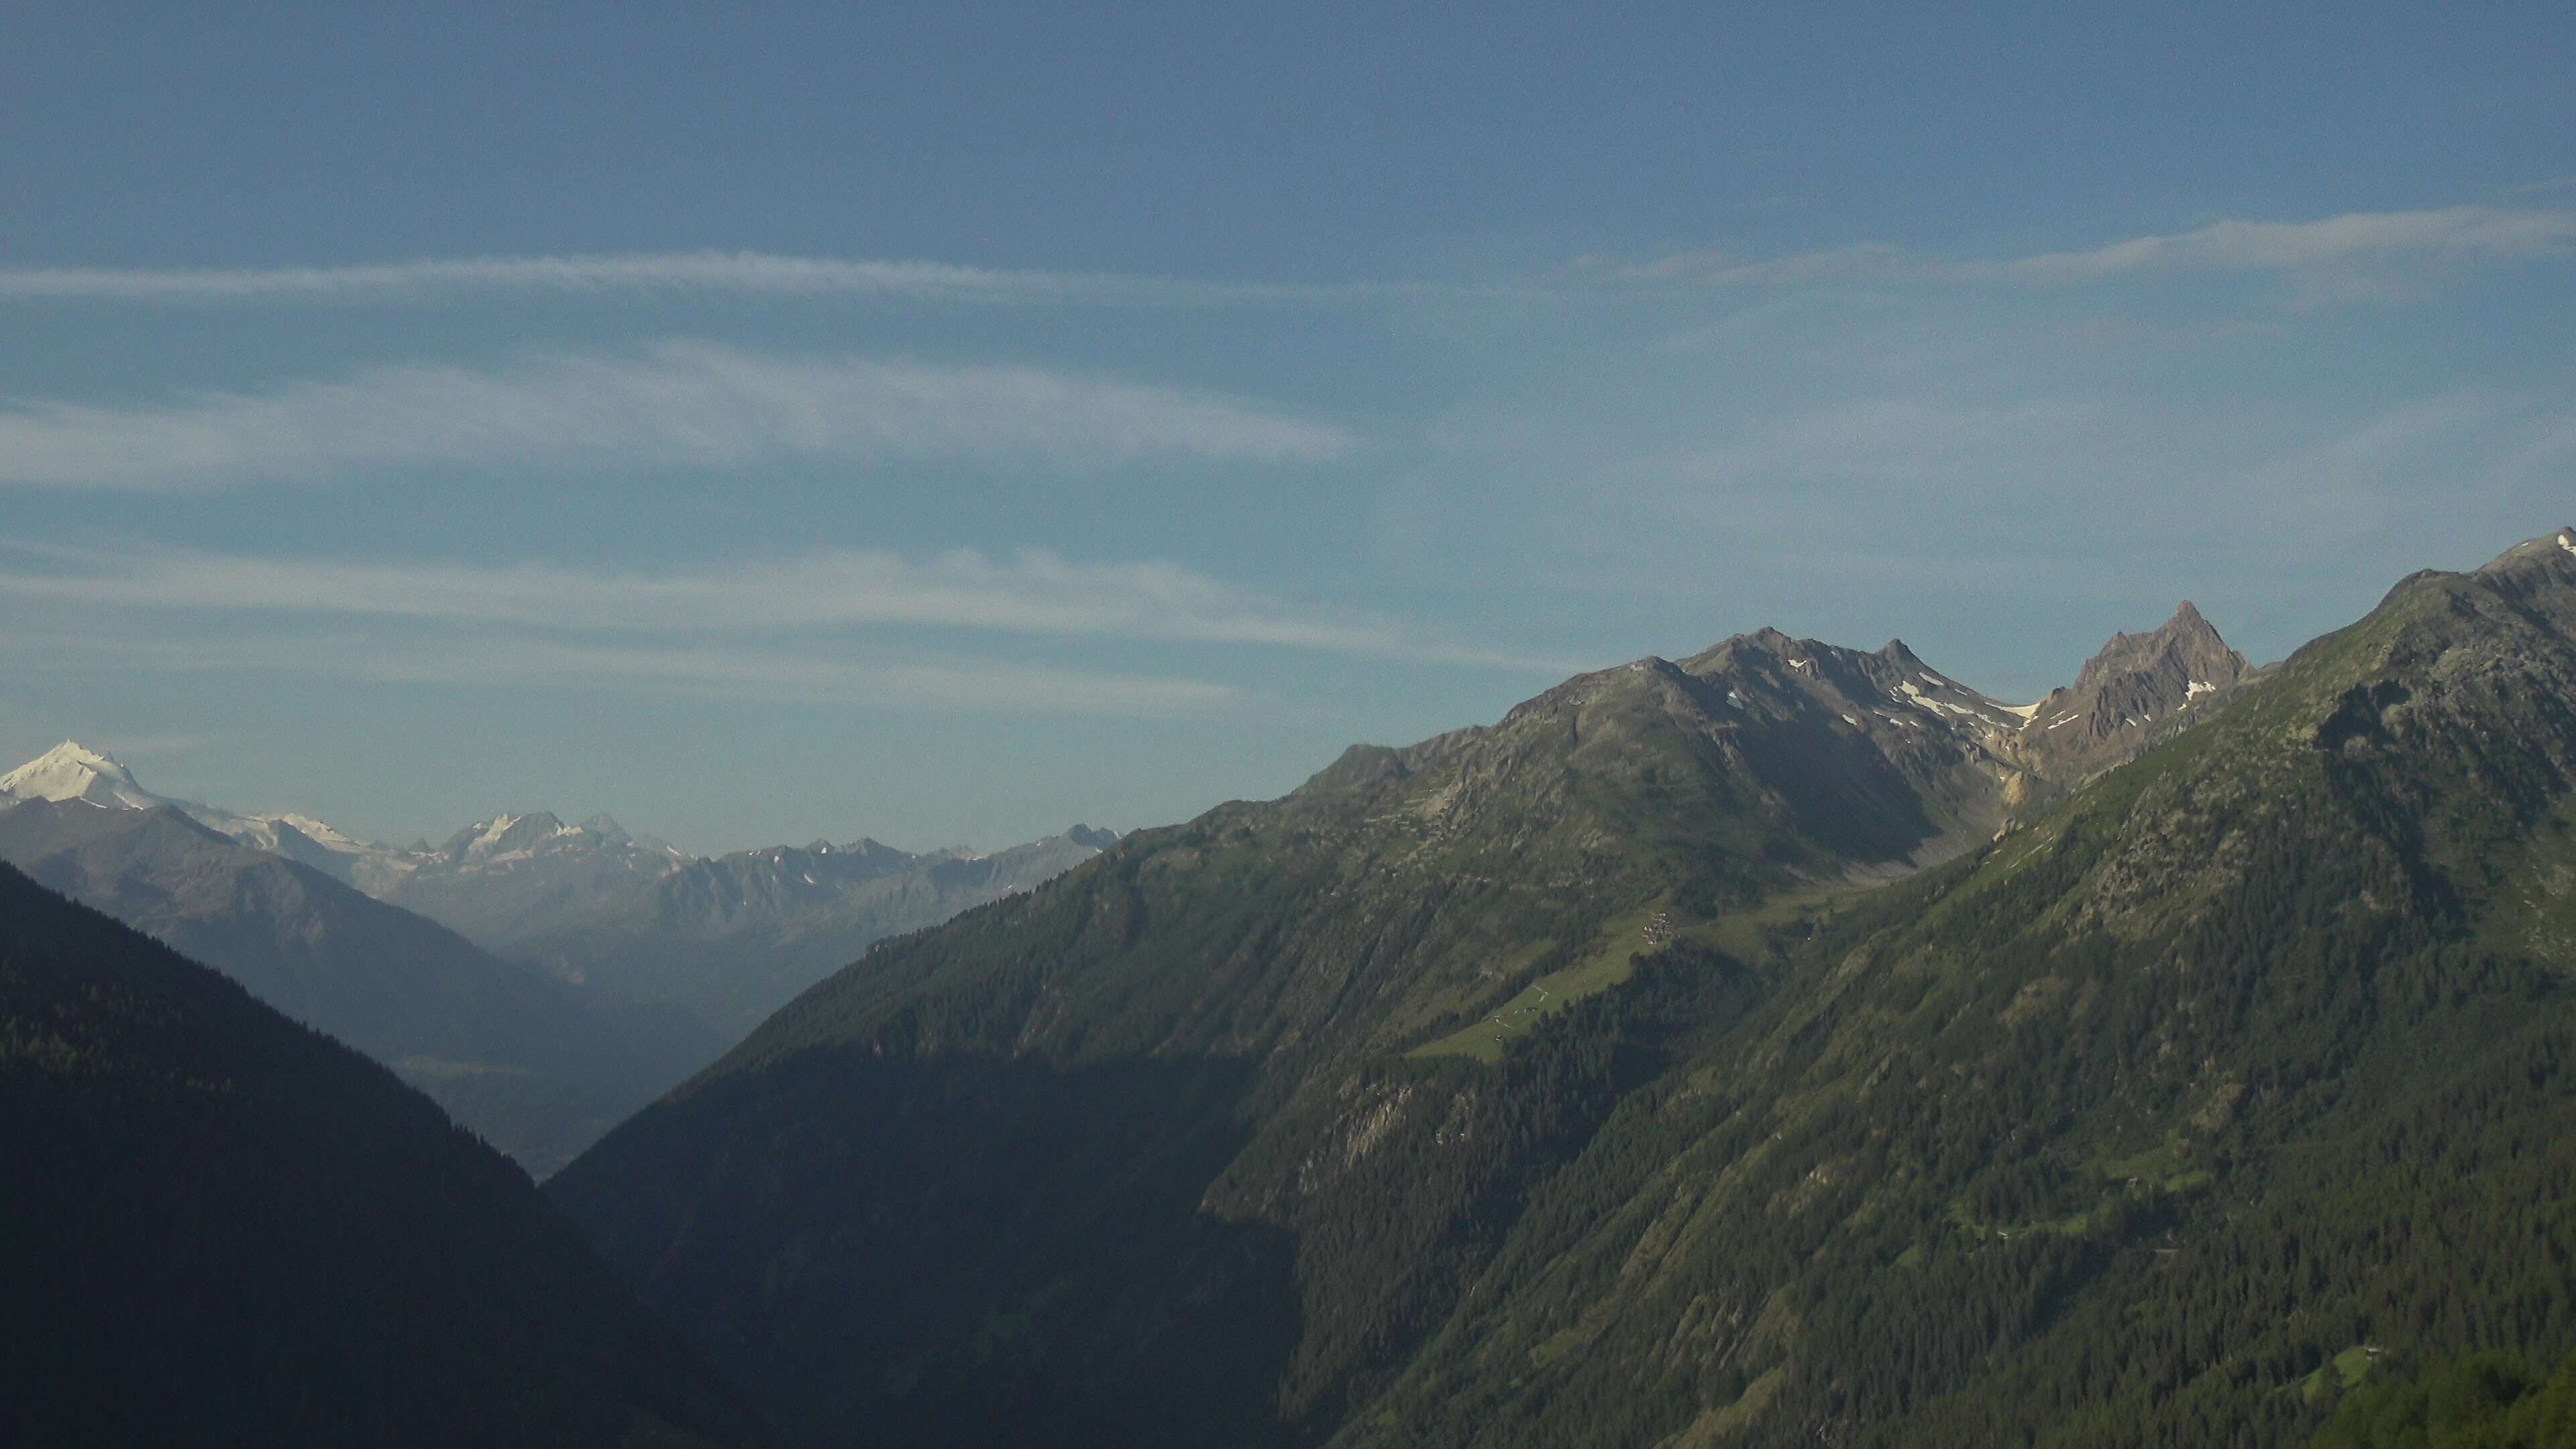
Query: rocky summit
point(2137, 689)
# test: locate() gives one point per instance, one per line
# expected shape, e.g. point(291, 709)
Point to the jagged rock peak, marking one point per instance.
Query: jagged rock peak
point(1768, 640)
point(2186, 639)
point(503, 833)
point(2127, 695)
point(1763, 643)
point(2187, 622)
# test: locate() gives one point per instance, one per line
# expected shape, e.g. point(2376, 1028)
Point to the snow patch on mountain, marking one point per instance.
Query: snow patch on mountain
point(73, 771)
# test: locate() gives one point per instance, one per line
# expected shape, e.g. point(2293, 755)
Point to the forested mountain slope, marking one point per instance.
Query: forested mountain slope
point(224, 1228)
point(2254, 1064)
point(1167, 1035)
point(1559, 1083)
point(2493, 1400)
point(1402, 893)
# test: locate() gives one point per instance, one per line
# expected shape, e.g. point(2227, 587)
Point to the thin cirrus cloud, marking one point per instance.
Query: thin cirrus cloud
point(1032, 593)
point(2357, 240)
point(694, 671)
point(672, 274)
point(688, 404)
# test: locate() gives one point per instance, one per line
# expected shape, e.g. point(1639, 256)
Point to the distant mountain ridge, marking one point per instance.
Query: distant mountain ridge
point(494, 878)
point(73, 771)
point(534, 1067)
point(735, 937)
point(729, 938)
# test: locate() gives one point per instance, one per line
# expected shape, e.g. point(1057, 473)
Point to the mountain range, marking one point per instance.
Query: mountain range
point(1786, 1044)
point(728, 938)
point(631, 917)
point(531, 1064)
point(540, 980)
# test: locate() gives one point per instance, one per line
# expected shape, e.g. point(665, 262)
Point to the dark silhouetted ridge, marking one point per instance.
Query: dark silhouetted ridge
point(225, 1228)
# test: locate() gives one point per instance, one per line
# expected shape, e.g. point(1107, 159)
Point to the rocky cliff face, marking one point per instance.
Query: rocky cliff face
point(2136, 690)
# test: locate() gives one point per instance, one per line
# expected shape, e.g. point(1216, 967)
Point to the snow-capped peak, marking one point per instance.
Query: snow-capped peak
point(320, 832)
point(73, 771)
point(507, 835)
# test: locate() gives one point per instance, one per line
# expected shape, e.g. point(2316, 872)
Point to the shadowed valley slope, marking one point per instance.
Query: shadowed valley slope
point(227, 1228)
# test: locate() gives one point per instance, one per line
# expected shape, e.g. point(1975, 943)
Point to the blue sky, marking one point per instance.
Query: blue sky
point(950, 422)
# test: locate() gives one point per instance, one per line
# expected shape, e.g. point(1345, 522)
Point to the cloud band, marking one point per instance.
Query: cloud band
point(684, 404)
